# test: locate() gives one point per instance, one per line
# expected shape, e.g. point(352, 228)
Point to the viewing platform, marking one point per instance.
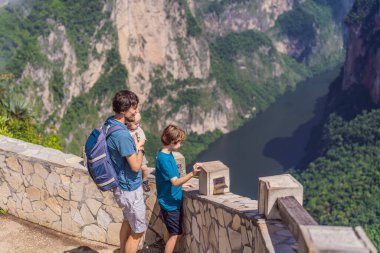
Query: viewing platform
point(54, 190)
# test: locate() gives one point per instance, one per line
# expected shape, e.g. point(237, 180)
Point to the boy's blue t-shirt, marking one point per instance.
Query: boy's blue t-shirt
point(169, 196)
point(120, 145)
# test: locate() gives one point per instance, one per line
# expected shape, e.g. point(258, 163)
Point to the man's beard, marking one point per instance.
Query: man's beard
point(130, 119)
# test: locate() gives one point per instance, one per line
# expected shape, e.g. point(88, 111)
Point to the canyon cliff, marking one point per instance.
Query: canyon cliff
point(203, 65)
point(362, 66)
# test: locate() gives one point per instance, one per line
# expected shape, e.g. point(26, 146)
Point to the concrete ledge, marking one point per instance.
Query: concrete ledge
point(53, 189)
point(325, 239)
point(293, 214)
point(213, 175)
point(274, 187)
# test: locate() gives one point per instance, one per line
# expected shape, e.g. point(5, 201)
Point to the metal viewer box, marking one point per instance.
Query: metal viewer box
point(214, 178)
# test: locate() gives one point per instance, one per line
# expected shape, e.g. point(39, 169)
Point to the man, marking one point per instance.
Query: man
point(126, 156)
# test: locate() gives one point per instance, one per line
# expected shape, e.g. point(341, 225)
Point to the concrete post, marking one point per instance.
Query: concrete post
point(273, 187)
point(324, 239)
point(181, 163)
point(214, 178)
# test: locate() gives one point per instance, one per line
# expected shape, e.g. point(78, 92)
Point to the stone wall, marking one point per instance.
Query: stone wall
point(223, 223)
point(230, 223)
point(53, 189)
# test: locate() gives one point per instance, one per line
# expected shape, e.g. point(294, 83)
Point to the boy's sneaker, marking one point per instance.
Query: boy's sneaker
point(146, 186)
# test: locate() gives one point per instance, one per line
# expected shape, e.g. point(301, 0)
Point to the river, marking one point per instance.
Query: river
point(275, 139)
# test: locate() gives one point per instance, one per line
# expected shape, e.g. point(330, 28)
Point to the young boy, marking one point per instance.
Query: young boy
point(138, 134)
point(169, 184)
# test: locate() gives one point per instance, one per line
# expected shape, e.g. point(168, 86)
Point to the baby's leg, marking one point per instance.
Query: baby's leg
point(145, 183)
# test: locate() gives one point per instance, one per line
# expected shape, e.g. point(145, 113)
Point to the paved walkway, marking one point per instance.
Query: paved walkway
point(17, 235)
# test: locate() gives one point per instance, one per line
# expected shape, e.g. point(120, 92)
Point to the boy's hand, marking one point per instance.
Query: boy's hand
point(196, 168)
point(188, 185)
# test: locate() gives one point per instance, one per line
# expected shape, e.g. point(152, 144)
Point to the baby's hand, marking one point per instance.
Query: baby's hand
point(196, 168)
point(188, 185)
point(135, 139)
point(141, 142)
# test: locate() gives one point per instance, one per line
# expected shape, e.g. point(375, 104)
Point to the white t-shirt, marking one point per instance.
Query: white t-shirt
point(140, 133)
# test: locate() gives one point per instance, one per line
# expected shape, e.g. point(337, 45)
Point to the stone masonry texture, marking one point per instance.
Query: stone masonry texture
point(54, 190)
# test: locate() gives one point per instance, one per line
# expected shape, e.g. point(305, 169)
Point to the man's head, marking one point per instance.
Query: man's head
point(173, 136)
point(125, 102)
point(133, 125)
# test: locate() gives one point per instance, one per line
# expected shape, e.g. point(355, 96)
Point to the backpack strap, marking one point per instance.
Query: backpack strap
point(108, 130)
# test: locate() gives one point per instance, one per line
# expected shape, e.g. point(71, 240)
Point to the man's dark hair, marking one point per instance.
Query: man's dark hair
point(123, 100)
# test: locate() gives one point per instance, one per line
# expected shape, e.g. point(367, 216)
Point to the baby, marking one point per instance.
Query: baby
point(138, 134)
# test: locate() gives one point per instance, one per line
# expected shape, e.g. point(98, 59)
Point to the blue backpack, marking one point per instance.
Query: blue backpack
point(98, 160)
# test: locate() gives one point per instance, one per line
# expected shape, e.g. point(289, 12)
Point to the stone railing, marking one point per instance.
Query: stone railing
point(281, 197)
point(53, 189)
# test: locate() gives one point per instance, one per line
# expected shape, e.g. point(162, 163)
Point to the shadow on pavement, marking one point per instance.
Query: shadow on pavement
point(81, 249)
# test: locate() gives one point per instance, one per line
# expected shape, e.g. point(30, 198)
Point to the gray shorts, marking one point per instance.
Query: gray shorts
point(133, 206)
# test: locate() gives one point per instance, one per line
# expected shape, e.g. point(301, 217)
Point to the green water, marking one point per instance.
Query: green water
point(274, 140)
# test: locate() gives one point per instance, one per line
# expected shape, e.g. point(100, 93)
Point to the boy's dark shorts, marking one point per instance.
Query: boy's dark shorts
point(173, 221)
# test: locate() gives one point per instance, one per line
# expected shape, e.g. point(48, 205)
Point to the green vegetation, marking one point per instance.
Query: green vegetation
point(178, 93)
point(56, 86)
point(18, 43)
point(16, 120)
point(80, 19)
point(253, 82)
point(82, 114)
point(194, 28)
point(348, 167)
point(303, 21)
point(21, 26)
point(299, 24)
point(193, 98)
point(246, 65)
point(362, 9)
point(193, 145)
point(2, 211)
point(196, 143)
point(161, 87)
point(313, 25)
point(218, 6)
point(245, 43)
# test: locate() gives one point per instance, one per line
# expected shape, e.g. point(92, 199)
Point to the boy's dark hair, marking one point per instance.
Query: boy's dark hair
point(123, 100)
point(172, 134)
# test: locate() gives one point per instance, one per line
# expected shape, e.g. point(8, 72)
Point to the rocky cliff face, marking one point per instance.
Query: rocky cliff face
point(62, 58)
point(153, 34)
point(163, 50)
point(362, 66)
point(240, 16)
point(203, 65)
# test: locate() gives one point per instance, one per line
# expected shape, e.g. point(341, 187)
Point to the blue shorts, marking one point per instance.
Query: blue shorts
point(173, 221)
